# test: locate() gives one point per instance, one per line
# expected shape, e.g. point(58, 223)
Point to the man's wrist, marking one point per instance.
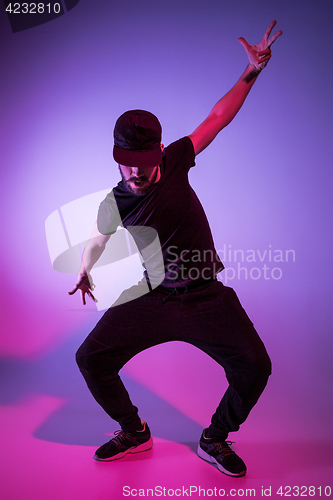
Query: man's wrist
point(84, 273)
point(251, 73)
point(254, 69)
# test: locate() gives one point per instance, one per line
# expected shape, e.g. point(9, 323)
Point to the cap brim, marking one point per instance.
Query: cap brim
point(129, 158)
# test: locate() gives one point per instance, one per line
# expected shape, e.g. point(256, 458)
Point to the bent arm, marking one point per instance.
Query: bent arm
point(227, 108)
point(224, 111)
point(93, 250)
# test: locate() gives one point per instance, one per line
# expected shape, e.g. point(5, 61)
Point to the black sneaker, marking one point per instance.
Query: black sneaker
point(125, 442)
point(222, 455)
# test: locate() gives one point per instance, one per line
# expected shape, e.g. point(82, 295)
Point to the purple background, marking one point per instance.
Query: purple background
point(266, 180)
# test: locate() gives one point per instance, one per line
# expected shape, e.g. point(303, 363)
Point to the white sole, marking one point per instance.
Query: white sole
point(208, 458)
point(136, 449)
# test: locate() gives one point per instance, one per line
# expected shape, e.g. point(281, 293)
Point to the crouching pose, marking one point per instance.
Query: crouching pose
point(184, 303)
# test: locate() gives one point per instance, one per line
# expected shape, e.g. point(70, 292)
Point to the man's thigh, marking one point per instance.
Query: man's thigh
point(134, 325)
point(218, 323)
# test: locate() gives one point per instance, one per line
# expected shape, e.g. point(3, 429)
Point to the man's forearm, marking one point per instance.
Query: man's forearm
point(91, 254)
point(224, 111)
point(228, 106)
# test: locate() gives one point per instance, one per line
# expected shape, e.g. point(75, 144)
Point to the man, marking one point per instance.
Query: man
point(187, 303)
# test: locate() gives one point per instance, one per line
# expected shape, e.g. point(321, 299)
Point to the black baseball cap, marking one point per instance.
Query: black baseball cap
point(137, 139)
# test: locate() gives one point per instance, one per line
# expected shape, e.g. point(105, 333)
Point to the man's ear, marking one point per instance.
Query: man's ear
point(162, 147)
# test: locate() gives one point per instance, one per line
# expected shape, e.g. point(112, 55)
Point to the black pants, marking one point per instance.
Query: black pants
point(209, 317)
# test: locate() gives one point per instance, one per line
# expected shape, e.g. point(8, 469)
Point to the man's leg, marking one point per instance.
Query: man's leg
point(100, 365)
point(122, 332)
point(247, 375)
point(221, 328)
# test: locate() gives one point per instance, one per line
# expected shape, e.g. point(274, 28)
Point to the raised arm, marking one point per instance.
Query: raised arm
point(91, 254)
point(226, 108)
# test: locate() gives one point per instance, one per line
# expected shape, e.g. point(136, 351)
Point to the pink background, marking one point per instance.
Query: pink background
point(266, 180)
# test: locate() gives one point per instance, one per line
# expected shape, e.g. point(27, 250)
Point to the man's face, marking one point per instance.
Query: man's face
point(140, 180)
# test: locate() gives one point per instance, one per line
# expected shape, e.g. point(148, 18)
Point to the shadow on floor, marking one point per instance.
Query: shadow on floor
point(81, 421)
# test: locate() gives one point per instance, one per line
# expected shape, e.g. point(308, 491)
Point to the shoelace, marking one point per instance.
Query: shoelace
point(120, 437)
point(224, 448)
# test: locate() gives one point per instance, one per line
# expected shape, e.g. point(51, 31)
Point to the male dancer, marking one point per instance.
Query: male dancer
point(186, 303)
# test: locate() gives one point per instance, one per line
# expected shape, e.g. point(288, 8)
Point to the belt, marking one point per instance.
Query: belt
point(178, 290)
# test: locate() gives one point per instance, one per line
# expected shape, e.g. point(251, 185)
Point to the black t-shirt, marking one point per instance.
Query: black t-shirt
point(173, 210)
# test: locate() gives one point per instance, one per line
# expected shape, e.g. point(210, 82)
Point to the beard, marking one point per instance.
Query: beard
point(141, 185)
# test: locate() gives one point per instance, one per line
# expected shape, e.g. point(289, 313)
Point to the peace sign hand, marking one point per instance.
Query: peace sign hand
point(260, 54)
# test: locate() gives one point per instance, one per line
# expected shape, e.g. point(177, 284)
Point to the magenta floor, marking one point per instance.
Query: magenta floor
point(33, 468)
point(50, 427)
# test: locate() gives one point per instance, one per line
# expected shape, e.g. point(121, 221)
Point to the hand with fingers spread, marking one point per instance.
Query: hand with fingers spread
point(260, 54)
point(85, 285)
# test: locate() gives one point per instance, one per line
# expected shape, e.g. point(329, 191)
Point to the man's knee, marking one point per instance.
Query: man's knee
point(261, 365)
point(83, 358)
point(88, 357)
point(251, 372)
point(97, 361)
point(261, 370)
point(264, 363)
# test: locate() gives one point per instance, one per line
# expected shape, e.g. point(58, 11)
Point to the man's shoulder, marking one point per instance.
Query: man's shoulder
point(183, 143)
point(109, 204)
point(180, 152)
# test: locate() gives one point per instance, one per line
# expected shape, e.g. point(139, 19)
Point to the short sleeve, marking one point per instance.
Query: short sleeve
point(108, 217)
point(180, 154)
point(189, 152)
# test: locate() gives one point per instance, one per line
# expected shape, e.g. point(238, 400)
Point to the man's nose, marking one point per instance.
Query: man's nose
point(136, 171)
